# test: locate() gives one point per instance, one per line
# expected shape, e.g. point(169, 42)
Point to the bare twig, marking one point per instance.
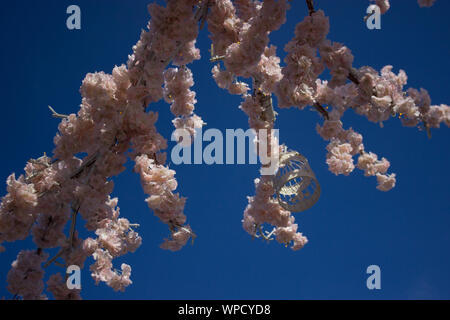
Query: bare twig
point(203, 13)
point(216, 58)
point(89, 162)
point(265, 236)
point(310, 5)
point(57, 115)
point(49, 262)
point(75, 208)
point(321, 110)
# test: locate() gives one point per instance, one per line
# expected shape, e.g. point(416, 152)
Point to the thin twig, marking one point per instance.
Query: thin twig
point(49, 262)
point(310, 5)
point(321, 110)
point(204, 14)
point(216, 58)
point(85, 165)
point(75, 207)
point(266, 237)
point(57, 115)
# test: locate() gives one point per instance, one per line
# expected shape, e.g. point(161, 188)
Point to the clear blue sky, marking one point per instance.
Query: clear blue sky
point(406, 231)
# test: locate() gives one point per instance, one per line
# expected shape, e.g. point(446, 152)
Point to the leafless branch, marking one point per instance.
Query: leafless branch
point(310, 5)
point(57, 115)
point(321, 110)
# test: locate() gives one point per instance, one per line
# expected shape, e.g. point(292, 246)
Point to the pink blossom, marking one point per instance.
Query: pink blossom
point(330, 129)
point(246, 9)
point(49, 230)
point(223, 25)
point(58, 287)
point(355, 140)
point(176, 91)
point(313, 29)
point(385, 182)
point(264, 209)
point(438, 114)
point(119, 281)
point(371, 165)
point(222, 78)
point(187, 125)
point(239, 88)
point(102, 271)
point(339, 158)
point(25, 277)
point(17, 209)
point(269, 69)
point(384, 5)
point(425, 3)
point(242, 56)
point(338, 59)
point(159, 182)
point(178, 240)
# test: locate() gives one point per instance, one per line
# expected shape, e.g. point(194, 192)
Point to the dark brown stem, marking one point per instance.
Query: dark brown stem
point(75, 208)
point(321, 110)
point(49, 262)
point(310, 5)
point(353, 76)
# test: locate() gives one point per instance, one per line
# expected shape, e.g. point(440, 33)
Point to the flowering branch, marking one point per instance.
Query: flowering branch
point(113, 124)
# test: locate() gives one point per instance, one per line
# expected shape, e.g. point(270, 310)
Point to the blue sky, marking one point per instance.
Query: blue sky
point(405, 231)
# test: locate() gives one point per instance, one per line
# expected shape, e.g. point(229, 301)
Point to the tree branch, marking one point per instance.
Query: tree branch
point(57, 115)
point(310, 5)
point(321, 110)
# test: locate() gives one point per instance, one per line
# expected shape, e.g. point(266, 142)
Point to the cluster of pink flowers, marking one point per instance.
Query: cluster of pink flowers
point(303, 66)
point(242, 56)
point(93, 145)
point(263, 208)
point(377, 96)
point(176, 91)
point(57, 286)
point(102, 271)
point(344, 144)
point(26, 275)
point(112, 118)
point(385, 5)
point(246, 53)
point(158, 181)
point(171, 36)
point(240, 38)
